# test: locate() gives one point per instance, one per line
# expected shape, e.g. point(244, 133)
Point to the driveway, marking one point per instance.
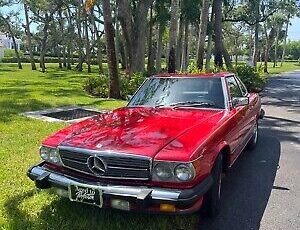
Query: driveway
point(262, 191)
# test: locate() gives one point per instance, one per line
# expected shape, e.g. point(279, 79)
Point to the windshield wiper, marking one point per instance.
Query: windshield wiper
point(186, 104)
point(192, 103)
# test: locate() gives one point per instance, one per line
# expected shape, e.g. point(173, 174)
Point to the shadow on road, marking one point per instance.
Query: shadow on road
point(247, 186)
point(283, 92)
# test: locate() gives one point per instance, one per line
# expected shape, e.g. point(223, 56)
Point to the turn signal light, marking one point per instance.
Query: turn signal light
point(167, 208)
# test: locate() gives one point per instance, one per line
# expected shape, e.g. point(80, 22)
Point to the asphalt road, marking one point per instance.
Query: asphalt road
point(262, 191)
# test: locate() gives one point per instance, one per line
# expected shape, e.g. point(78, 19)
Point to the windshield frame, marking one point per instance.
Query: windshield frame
point(223, 84)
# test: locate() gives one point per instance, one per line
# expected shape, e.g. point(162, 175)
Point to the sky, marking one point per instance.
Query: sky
point(293, 33)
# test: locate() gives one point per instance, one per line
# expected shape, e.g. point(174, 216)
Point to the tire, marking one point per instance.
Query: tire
point(253, 140)
point(212, 204)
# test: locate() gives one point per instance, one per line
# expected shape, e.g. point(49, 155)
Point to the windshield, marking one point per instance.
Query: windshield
point(180, 92)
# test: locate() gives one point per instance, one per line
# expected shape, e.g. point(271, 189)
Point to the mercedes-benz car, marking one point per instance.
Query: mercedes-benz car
point(166, 151)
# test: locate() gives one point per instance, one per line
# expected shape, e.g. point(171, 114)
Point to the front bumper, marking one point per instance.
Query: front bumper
point(140, 197)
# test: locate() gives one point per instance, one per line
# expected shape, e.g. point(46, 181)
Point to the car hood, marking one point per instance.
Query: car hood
point(138, 130)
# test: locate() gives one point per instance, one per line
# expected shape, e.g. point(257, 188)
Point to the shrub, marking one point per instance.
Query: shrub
point(192, 67)
point(10, 53)
point(130, 85)
point(253, 78)
point(97, 86)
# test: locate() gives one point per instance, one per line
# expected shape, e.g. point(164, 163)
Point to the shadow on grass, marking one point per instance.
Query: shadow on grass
point(64, 214)
point(12, 107)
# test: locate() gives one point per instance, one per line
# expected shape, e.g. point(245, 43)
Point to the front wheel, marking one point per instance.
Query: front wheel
point(213, 196)
point(253, 141)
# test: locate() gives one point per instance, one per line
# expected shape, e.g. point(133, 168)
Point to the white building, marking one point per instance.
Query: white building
point(1, 50)
point(7, 43)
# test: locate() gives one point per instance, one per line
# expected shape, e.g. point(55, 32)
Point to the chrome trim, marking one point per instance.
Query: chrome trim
point(109, 154)
point(116, 167)
point(118, 190)
point(99, 152)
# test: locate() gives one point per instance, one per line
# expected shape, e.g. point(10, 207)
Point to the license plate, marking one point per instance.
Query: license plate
point(84, 194)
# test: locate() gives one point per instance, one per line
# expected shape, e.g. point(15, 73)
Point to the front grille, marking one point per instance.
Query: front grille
point(119, 166)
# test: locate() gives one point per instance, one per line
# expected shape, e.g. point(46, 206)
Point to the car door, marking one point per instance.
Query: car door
point(238, 115)
point(251, 113)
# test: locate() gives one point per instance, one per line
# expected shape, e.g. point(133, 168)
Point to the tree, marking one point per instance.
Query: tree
point(43, 12)
point(28, 35)
point(133, 20)
point(202, 33)
point(291, 9)
point(114, 90)
point(8, 25)
point(218, 40)
point(161, 18)
point(150, 64)
point(172, 36)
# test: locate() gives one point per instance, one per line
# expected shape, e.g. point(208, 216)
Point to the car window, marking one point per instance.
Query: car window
point(234, 88)
point(242, 86)
point(169, 91)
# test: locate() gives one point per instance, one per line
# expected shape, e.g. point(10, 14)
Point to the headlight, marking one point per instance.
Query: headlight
point(184, 172)
point(173, 171)
point(50, 155)
point(163, 171)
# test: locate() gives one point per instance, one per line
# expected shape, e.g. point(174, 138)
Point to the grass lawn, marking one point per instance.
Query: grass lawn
point(287, 66)
point(21, 205)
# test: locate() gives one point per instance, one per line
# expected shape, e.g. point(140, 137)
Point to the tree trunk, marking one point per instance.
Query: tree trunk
point(124, 63)
point(16, 50)
point(179, 43)
point(227, 58)
point(87, 43)
point(209, 42)
point(150, 64)
point(62, 40)
point(125, 17)
point(140, 35)
point(44, 42)
point(79, 41)
point(171, 59)
point(12, 35)
point(202, 33)
point(117, 42)
point(218, 40)
point(269, 41)
point(256, 31)
point(161, 29)
point(134, 29)
point(99, 48)
point(114, 90)
point(185, 54)
point(28, 37)
point(171, 63)
point(276, 46)
point(285, 38)
point(69, 64)
point(59, 57)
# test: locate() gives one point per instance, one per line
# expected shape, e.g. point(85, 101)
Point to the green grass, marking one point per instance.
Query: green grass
point(21, 205)
point(286, 67)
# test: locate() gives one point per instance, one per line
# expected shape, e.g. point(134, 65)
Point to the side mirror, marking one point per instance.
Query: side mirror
point(240, 101)
point(128, 97)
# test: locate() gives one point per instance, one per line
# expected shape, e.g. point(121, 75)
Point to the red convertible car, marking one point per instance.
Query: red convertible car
point(166, 151)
